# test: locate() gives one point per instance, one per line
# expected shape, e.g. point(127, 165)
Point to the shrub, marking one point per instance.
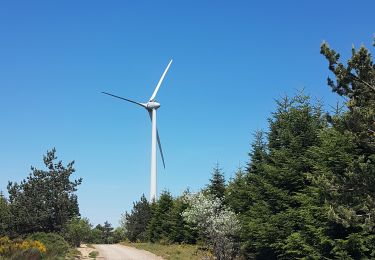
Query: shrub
point(93, 254)
point(29, 244)
point(21, 249)
point(29, 254)
point(5, 245)
point(77, 230)
point(217, 223)
point(55, 244)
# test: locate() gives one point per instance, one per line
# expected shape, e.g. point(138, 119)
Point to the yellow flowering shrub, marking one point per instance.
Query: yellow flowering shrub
point(9, 247)
point(28, 244)
point(5, 244)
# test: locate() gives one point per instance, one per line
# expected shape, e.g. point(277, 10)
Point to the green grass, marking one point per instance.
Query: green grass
point(174, 251)
point(93, 254)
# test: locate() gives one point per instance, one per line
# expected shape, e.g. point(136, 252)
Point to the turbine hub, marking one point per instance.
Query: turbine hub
point(152, 105)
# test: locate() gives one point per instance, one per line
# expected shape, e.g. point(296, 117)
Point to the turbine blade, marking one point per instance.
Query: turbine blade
point(140, 104)
point(161, 151)
point(159, 143)
point(160, 81)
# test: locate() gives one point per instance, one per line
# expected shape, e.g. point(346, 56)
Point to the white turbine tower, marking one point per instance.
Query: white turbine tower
point(151, 106)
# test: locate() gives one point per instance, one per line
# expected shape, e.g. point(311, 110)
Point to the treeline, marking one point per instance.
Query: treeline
point(80, 230)
point(308, 190)
point(201, 218)
point(160, 221)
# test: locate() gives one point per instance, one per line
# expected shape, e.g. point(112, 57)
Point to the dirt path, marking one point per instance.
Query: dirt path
point(120, 252)
point(85, 251)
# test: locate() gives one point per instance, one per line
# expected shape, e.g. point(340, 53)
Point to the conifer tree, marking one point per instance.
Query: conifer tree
point(337, 209)
point(344, 162)
point(236, 193)
point(107, 232)
point(270, 213)
point(46, 200)
point(181, 231)
point(216, 187)
point(356, 82)
point(136, 222)
point(160, 225)
point(258, 153)
point(5, 216)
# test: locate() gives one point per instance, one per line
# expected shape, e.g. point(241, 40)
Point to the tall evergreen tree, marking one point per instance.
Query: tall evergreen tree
point(270, 213)
point(356, 82)
point(236, 193)
point(136, 222)
point(160, 225)
point(46, 200)
point(107, 232)
point(216, 187)
point(258, 153)
point(181, 231)
point(344, 162)
point(337, 209)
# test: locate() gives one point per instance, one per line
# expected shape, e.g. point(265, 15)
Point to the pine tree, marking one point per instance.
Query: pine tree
point(258, 153)
point(107, 232)
point(236, 193)
point(216, 187)
point(356, 82)
point(270, 214)
point(181, 231)
point(160, 225)
point(344, 162)
point(136, 222)
point(46, 200)
point(338, 208)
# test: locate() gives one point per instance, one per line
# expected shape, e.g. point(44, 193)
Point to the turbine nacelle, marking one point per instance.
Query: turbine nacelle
point(152, 105)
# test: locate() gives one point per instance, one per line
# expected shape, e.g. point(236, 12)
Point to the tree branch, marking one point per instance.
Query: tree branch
point(362, 81)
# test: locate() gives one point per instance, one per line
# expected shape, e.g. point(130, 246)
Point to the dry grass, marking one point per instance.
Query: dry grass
point(174, 251)
point(73, 254)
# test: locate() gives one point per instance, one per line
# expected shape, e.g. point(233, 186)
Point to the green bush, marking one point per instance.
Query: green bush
point(29, 254)
point(21, 249)
point(55, 244)
point(78, 230)
point(93, 254)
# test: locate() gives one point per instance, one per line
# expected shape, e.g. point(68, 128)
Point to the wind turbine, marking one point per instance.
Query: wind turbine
point(151, 106)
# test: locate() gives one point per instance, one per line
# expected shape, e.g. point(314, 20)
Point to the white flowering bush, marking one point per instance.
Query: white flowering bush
point(217, 223)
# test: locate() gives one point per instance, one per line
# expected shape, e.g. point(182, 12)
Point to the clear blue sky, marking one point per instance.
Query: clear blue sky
point(231, 60)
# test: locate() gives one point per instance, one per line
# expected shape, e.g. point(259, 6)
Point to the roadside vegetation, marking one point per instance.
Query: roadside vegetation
point(41, 220)
point(34, 217)
point(174, 251)
point(93, 254)
point(307, 191)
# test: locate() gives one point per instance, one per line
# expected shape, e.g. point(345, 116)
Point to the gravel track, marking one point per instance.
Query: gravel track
point(120, 252)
